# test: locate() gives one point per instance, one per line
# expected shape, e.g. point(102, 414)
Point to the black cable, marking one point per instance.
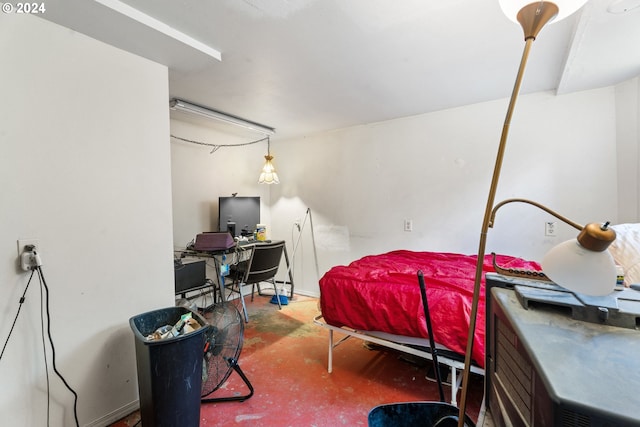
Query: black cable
point(218, 146)
point(44, 351)
point(53, 350)
point(17, 314)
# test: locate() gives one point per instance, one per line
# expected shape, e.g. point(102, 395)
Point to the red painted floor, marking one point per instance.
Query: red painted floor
point(285, 358)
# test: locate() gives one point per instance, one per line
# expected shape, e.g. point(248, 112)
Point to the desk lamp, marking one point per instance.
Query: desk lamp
point(583, 264)
point(532, 16)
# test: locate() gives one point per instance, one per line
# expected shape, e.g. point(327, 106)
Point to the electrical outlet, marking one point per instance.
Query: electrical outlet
point(26, 258)
point(22, 243)
point(550, 228)
point(408, 225)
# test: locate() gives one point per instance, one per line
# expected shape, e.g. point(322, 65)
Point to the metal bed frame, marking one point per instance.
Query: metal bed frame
point(400, 343)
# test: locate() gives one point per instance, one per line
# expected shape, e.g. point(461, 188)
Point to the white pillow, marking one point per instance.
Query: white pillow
point(626, 250)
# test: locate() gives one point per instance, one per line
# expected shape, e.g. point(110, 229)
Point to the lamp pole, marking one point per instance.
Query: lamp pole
point(532, 18)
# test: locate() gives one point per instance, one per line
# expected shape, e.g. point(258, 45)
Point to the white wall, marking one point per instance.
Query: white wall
point(628, 150)
point(85, 168)
point(361, 183)
point(435, 169)
point(199, 177)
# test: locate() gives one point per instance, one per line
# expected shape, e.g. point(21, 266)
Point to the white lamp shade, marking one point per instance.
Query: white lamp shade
point(565, 7)
point(580, 270)
point(268, 174)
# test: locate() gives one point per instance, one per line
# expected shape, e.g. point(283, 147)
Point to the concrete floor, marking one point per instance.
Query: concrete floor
point(284, 356)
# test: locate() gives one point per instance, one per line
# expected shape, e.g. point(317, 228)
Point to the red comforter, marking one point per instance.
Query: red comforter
point(381, 293)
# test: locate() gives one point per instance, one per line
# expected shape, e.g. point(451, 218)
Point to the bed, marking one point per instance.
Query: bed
point(377, 299)
point(626, 251)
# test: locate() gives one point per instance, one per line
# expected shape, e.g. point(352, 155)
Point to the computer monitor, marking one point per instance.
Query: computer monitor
point(238, 215)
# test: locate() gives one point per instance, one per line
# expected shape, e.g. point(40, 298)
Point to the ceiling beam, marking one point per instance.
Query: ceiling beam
point(153, 23)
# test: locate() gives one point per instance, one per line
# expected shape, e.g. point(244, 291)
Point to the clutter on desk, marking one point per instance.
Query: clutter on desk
point(185, 325)
point(261, 232)
point(213, 241)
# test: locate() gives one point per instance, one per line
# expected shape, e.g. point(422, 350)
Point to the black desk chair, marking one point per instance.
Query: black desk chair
point(261, 266)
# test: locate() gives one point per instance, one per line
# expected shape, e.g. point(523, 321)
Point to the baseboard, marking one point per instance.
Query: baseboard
point(308, 293)
point(116, 415)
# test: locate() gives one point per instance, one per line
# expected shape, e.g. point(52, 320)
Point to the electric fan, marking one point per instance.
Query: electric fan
point(223, 344)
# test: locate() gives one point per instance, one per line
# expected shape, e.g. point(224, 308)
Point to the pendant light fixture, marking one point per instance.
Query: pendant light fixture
point(268, 174)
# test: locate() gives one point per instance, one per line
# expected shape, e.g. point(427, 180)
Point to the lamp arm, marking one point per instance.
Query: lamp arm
point(536, 204)
point(527, 274)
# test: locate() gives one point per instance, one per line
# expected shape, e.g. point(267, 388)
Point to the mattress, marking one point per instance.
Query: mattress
point(381, 293)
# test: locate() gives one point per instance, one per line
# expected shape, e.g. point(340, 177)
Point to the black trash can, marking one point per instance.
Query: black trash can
point(409, 414)
point(169, 369)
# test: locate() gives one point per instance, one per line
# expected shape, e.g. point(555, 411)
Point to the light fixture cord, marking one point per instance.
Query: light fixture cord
point(216, 147)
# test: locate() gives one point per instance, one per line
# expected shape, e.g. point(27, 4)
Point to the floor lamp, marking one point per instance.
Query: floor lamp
point(295, 246)
point(532, 17)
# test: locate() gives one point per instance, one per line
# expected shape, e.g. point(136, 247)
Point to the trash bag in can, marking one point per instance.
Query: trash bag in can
point(169, 354)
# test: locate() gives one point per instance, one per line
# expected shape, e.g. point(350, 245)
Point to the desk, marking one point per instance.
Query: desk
point(232, 256)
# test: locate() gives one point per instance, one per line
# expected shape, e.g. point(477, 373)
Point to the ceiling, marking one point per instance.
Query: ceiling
point(306, 66)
